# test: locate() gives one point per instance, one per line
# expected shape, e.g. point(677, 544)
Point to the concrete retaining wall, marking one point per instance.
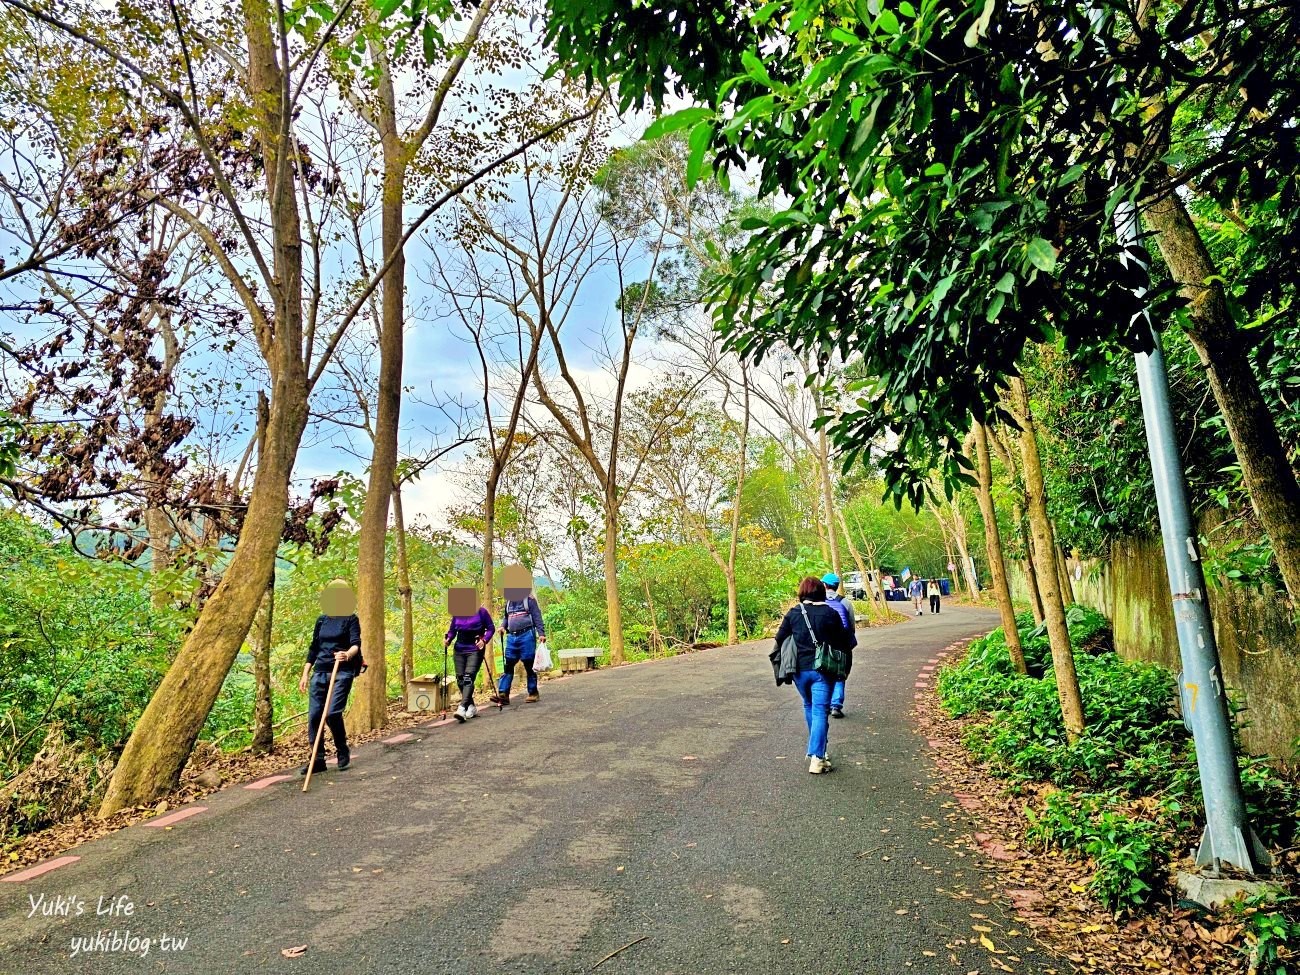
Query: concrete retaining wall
point(1258, 641)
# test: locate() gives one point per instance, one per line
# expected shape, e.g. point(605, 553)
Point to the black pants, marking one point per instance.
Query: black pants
point(467, 665)
point(934, 603)
point(320, 682)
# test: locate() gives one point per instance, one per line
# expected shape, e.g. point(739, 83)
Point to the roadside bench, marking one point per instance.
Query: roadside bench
point(578, 659)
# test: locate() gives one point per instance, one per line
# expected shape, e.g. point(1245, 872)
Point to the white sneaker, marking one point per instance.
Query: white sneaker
point(826, 764)
point(919, 613)
point(471, 711)
point(461, 714)
point(818, 765)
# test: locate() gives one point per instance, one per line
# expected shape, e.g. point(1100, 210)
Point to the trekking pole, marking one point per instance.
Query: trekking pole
point(487, 662)
point(442, 715)
point(320, 728)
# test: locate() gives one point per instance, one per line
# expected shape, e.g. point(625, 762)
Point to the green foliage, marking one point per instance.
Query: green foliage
point(1272, 935)
point(1130, 854)
point(81, 644)
point(1129, 783)
point(935, 224)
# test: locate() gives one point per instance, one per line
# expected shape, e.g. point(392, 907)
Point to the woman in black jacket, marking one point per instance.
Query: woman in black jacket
point(815, 689)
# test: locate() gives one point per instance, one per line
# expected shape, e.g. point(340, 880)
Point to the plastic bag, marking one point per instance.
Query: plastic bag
point(542, 660)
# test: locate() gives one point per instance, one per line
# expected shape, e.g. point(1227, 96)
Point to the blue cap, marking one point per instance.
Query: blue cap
point(832, 580)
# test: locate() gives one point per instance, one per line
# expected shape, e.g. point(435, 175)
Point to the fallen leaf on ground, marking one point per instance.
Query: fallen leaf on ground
point(295, 952)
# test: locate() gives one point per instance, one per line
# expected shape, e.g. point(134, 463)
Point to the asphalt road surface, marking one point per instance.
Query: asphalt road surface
point(668, 802)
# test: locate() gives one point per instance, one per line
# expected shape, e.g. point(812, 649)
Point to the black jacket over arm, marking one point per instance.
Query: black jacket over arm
point(826, 626)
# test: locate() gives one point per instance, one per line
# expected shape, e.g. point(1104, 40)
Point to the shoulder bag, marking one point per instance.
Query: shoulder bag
point(830, 662)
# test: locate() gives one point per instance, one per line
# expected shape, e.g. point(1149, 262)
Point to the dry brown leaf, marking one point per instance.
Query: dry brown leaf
point(296, 952)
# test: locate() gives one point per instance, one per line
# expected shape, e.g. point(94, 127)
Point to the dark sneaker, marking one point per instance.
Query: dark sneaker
point(503, 699)
point(532, 698)
point(345, 759)
point(316, 769)
point(837, 712)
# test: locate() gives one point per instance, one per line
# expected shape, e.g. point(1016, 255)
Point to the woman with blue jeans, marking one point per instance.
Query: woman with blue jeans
point(811, 622)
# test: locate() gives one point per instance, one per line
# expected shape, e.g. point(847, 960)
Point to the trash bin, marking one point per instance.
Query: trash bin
point(944, 586)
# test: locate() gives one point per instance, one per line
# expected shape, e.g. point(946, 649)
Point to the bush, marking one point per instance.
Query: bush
point(1272, 934)
point(1134, 747)
point(1130, 854)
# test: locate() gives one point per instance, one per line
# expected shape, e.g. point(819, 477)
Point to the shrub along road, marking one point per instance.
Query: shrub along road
point(665, 807)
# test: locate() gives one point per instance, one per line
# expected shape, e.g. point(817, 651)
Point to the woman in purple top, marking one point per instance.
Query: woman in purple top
point(472, 636)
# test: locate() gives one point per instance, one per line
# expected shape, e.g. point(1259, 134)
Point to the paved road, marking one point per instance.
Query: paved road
point(667, 800)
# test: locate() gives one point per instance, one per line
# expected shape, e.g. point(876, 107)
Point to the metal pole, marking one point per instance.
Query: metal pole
point(1227, 837)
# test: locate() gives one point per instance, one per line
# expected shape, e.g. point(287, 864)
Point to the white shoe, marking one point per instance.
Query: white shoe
point(826, 764)
point(818, 765)
point(919, 613)
point(471, 711)
point(461, 714)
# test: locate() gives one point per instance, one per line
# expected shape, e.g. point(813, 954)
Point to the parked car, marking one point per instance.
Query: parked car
point(856, 588)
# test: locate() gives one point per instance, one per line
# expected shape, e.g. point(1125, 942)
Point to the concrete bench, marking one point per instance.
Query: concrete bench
point(578, 659)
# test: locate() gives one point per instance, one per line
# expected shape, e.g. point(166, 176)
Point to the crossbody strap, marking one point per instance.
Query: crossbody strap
point(813, 636)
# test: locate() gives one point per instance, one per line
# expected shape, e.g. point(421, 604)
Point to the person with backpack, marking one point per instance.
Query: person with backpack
point(523, 628)
point(336, 637)
point(472, 634)
point(844, 608)
point(811, 634)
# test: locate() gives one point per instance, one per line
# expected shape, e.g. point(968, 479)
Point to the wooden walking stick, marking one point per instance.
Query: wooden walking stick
point(320, 728)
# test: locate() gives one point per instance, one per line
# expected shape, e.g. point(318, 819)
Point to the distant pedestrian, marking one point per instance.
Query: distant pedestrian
point(336, 637)
point(810, 622)
point(472, 633)
point(524, 629)
point(844, 607)
point(916, 589)
point(934, 595)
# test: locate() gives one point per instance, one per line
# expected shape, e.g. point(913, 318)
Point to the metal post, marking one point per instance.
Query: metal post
point(1227, 837)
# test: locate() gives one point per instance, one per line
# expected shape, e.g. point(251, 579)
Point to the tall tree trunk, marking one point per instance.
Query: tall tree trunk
point(993, 549)
point(488, 557)
point(656, 641)
point(1031, 570)
point(404, 590)
point(854, 554)
point(369, 708)
point(263, 701)
point(158, 529)
point(828, 498)
point(963, 552)
point(1067, 681)
point(612, 606)
point(1266, 470)
point(163, 737)
point(1063, 569)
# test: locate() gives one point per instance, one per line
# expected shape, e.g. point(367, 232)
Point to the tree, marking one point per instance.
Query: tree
point(250, 153)
point(529, 265)
point(993, 548)
point(1067, 681)
point(969, 213)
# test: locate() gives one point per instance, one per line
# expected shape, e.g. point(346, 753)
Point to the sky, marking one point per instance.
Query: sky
point(440, 362)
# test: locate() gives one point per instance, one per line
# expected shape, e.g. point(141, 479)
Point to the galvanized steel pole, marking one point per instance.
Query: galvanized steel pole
point(1227, 837)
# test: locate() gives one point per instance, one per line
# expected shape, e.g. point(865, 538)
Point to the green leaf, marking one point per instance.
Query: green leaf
point(888, 21)
point(386, 8)
point(936, 169)
point(1006, 284)
point(1042, 255)
point(923, 113)
point(995, 306)
point(756, 69)
point(700, 139)
point(683, 119)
